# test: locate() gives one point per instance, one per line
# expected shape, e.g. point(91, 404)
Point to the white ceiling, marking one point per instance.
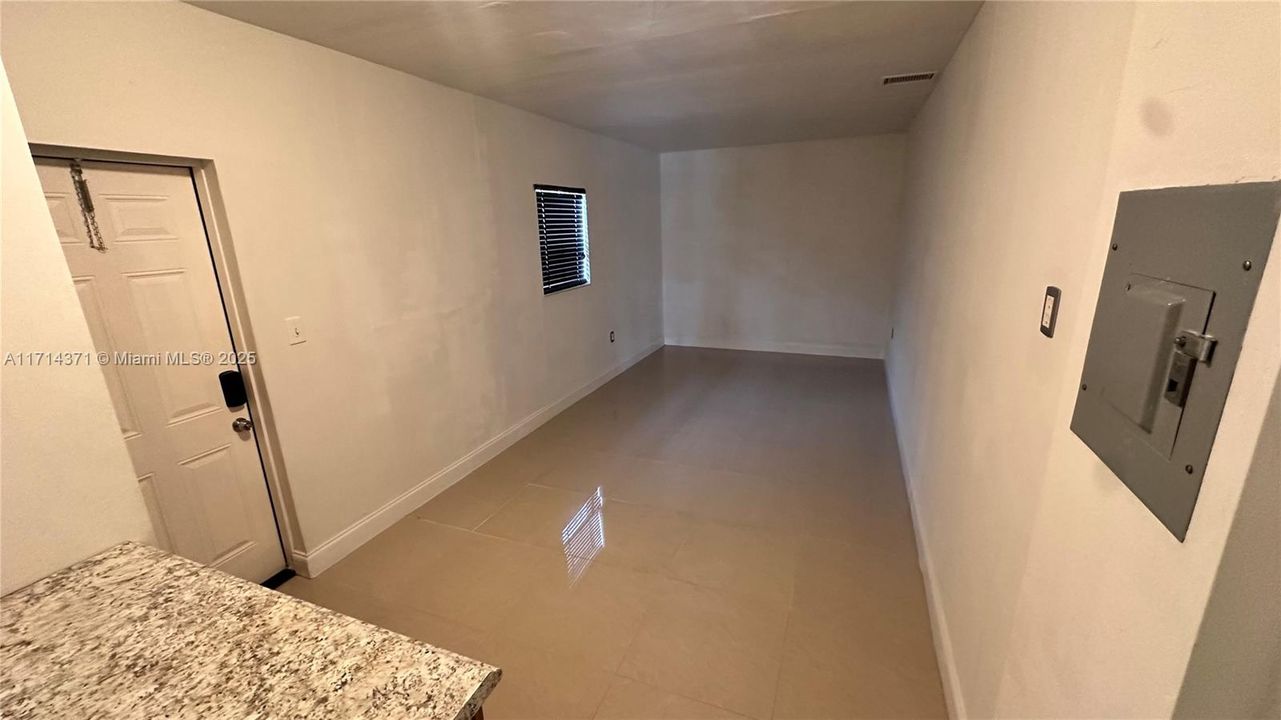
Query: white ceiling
point(666, 75)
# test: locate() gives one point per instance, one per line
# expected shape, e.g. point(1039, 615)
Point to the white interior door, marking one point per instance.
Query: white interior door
point(152, 294)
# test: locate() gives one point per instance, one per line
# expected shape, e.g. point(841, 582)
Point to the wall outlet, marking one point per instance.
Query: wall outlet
point(611, 336)
point(293, 329)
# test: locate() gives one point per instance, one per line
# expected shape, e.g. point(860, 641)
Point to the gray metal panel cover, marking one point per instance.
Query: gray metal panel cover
point(1193, 249)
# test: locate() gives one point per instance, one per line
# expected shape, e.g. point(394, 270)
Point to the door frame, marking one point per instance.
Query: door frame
point(226, 273)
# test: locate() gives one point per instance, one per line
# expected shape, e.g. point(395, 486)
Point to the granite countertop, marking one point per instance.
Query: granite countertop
point(135, 632)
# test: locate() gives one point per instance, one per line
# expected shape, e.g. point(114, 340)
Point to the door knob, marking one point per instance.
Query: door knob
point(242, 424)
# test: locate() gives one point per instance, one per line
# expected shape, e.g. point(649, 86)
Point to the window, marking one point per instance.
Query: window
point(562, 237)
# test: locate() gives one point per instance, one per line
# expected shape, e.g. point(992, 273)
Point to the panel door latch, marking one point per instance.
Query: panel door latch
point(1190, 348)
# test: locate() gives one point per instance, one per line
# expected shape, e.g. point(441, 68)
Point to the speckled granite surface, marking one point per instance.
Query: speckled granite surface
point(137, 633)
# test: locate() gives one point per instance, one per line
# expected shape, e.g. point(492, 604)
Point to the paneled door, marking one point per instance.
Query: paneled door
point(148, 290)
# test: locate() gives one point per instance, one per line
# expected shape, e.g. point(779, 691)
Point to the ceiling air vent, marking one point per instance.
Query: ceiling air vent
point(907, 78)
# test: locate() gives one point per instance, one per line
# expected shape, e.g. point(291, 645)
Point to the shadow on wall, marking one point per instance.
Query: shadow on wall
point(1235, 668)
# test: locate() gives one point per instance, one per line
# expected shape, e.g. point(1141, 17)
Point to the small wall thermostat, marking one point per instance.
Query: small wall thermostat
point(1049, 311)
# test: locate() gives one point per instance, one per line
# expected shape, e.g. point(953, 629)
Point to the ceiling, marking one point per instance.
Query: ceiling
point(665, 75)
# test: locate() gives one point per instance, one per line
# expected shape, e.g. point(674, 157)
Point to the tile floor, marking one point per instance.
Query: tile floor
point(714, 534)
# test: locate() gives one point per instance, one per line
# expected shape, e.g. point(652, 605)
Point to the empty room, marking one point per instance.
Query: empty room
point(631, 359)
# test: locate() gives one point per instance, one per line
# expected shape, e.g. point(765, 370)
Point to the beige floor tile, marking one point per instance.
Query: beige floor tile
point(588, 611)
point(585, 470)
point(471, 500)
point(335, 596)
point(669, 486)
point(740, 561)
point(858, 668)
point(700, 444)
point(591, 526)
point(749, 500)
point(868, 506)
point(540, 683)
point(539, 515)
point(618, 423)
point(768, 484)
point(841, 579)
point(708, 494)
point(712, 647)
point(419, 625)
point(633, 700)
point(463, 576)
point(751, 441)
point(642, 538)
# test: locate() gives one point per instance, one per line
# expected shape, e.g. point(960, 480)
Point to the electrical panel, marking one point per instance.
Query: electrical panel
point(1181, 278)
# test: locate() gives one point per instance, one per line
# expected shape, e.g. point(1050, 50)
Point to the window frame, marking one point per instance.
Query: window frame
point(585, 280)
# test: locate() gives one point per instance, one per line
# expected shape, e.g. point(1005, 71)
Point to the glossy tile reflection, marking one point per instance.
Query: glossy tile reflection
point(584, 536)
point(711, 534)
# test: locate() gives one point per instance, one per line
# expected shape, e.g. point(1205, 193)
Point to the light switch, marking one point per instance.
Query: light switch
point(293, 327)
point(1050, 311)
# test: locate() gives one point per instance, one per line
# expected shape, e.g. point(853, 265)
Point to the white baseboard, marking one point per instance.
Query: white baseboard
point(858, 350)
point(312, 563)
point(938, 619)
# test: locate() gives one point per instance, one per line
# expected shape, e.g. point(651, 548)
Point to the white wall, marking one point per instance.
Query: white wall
point(1055, 592)
point(66, 486)
point(784, 247)
point(1235, 669)
point(395, 216)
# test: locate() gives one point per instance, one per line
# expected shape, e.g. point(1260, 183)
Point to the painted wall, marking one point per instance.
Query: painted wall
point(786, 247)
point(395, 216)
point(1054, 591)
point(67, 489)
point(1235, 669)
